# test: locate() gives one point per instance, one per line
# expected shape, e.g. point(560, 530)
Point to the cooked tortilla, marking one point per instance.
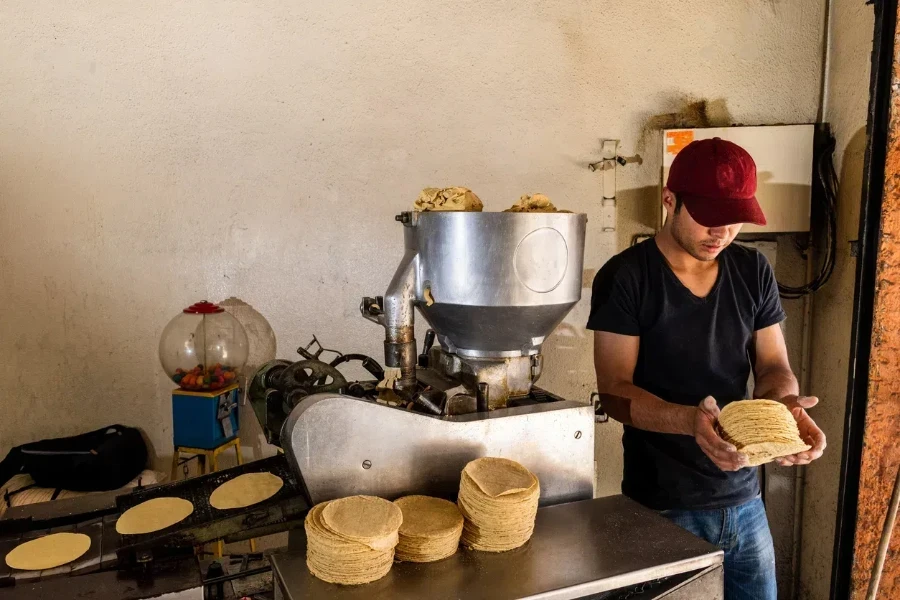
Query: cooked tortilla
point(367, 519)
point(48, 552)
point(500, 476)
point(154, 515)
point(245, 490)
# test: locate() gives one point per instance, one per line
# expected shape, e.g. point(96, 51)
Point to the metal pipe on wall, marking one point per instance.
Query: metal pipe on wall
point(800, 473)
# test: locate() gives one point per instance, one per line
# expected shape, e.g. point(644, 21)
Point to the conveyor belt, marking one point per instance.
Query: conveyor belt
point(110, 550)
point(90, 562)
point(281, 512)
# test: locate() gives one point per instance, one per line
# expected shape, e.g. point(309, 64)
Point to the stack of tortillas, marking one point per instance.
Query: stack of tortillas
point(352, 540)
point(431, 529)
point(762, 430)
point(499, 499)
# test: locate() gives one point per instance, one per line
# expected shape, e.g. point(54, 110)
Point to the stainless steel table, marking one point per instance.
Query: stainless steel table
point(578, 550)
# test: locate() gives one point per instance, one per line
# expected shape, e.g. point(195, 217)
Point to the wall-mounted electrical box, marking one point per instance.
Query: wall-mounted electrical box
point(784, 165)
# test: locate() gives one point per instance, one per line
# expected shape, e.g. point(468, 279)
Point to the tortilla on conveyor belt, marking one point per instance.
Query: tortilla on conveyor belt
point(245, 490)
point(538, 203)
point(430, 531)
point(355, 543)
point(762, 430)
point(48, 552)
point(498, 498)
point(153, 515)
point(458, 199)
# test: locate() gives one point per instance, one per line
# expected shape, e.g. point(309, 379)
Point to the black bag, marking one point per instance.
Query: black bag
point(98, 461)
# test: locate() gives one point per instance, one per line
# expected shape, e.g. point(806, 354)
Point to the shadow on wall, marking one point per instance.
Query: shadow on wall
point(687, 112)
point(263, 348)
point(63, 363)
point(638, 214)
point(639, 208)
point(570, 374)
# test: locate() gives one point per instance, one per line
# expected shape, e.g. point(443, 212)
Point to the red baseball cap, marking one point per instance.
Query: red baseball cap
point(716, 181)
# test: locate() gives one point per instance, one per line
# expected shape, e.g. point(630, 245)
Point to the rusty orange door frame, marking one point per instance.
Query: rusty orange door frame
point(871, 452)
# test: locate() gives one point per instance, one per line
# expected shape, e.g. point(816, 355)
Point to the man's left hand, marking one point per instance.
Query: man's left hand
point(809, 431)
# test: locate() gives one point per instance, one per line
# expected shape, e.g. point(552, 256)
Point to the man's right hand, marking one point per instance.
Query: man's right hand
point(724, 455)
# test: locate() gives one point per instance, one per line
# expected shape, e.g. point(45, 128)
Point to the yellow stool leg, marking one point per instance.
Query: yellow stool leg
point(175, 456)
point(240, 461)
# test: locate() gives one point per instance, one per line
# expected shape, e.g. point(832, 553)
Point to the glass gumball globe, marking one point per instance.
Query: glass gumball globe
point(203, 348)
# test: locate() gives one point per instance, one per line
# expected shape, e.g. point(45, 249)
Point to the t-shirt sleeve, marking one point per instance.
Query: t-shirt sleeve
point(770, 311)
point(614, 300)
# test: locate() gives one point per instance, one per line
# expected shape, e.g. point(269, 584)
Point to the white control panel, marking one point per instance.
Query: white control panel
point(784, 165)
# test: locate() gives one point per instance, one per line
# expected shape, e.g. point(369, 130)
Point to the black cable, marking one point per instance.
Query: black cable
point(828, 197)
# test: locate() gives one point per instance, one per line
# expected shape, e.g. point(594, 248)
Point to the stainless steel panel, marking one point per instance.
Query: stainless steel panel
point(343, 446)
point(578, 549)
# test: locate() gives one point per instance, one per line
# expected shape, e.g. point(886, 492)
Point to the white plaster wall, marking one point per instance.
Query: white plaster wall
point(846, 104)
point(154, 154)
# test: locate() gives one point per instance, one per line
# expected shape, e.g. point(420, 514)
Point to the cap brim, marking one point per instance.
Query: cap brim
point(719, 212)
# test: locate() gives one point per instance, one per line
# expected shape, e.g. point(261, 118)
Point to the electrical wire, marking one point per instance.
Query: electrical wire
point(828, 197)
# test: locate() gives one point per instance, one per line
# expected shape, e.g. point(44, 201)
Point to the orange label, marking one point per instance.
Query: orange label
point(677, 140)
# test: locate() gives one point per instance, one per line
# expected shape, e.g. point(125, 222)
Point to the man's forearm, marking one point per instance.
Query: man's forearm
point(631, 405)
point(776, 384)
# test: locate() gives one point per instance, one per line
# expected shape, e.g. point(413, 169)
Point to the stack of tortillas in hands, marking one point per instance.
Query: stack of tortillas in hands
point(351, 540)
point(499, 499)
point(431, 529)
point(762, 430)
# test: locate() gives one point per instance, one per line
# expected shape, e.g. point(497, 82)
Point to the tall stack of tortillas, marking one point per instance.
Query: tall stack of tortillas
point(762, 430)
point(499, 499)
point(352, 540)
point(430, 531)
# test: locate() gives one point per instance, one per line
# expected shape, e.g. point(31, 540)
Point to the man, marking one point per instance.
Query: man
point(680, 322)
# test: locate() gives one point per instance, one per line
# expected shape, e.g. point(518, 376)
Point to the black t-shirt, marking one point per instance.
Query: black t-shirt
point(690, 348)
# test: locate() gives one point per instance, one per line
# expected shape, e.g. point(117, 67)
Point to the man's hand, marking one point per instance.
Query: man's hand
point(724, 455)
point(809, 431)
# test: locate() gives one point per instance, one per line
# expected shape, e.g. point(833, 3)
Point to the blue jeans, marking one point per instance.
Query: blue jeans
point(743, 533)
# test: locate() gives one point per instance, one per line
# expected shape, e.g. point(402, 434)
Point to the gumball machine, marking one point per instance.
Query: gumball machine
point(202, 350)
point(203, 347)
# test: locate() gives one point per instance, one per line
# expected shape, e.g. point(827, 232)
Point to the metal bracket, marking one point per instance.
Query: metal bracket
point(372, 309)
point(607, 167)
point(306, 353)
point(599, 415)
